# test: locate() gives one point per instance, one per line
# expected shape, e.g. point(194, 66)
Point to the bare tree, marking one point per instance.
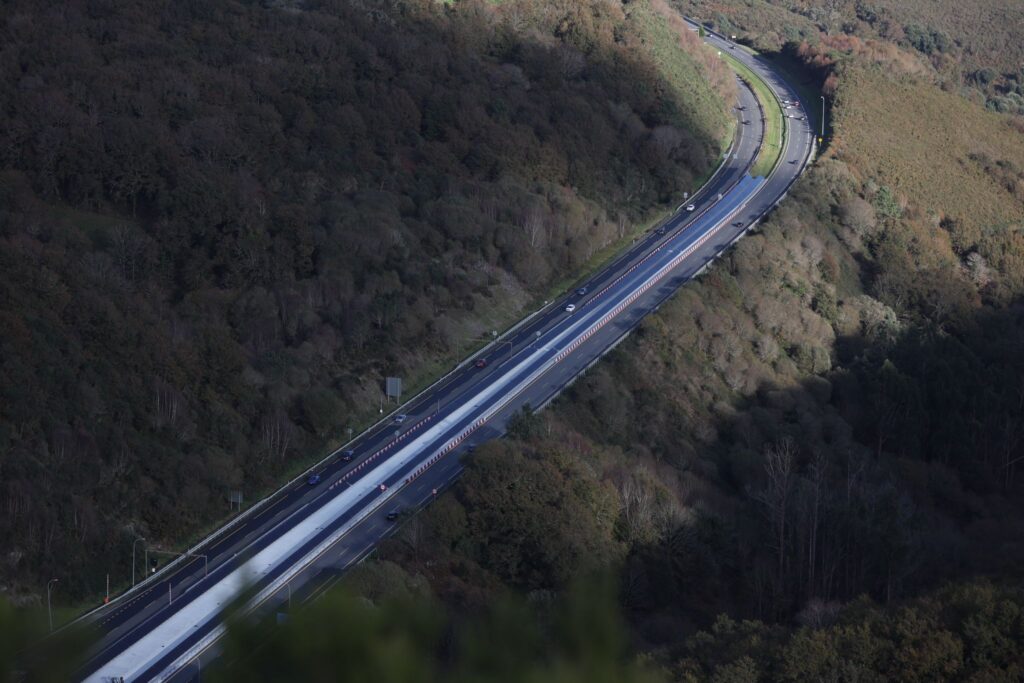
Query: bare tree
point(637, 508)
point(816, 479)
point(275, 434)
point(128, 252)
point(778, 467)
point(533, 224)
point(167, 404)
point(570, 61)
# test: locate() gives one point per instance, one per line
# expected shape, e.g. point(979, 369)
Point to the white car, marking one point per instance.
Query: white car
point(691, 207)
point(570, 308)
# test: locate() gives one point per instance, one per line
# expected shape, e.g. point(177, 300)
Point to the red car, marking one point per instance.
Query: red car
point(481, 363)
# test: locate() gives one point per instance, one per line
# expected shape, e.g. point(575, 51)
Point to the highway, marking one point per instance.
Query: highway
point(292, 545)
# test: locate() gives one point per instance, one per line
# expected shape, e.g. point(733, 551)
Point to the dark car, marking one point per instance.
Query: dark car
point(581, 291)
point(481, 362)
point(393, 515)
point(347, 456)
point(313, 479)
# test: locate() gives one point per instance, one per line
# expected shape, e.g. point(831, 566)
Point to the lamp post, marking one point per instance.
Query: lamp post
point(133, 557)
point(822, 118)
point(49, 609)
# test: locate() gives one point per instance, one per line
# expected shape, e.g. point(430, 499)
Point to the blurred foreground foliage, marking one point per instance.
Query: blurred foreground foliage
point(28, 656)
point(578, 638)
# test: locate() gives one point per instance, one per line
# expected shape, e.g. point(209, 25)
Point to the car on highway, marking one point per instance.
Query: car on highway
point(393, 515)
point(146, 631)
point(570, 308)
point(581, 291)
point(313, 479)
point(347, 456)
point(400, 418)
point(481, 363)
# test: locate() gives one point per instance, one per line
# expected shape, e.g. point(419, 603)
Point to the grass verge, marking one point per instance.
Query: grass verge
point(774, 130)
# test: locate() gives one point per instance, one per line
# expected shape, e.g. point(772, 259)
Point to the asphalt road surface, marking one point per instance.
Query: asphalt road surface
point(299, 541)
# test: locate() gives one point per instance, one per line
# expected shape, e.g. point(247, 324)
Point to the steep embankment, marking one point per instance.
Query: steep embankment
point(221, 226)
point(972, 48)
point(951, 156)
point(831, 411)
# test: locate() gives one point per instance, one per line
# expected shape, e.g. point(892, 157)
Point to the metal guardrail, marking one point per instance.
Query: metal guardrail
point(259, 505)
point(270, 590)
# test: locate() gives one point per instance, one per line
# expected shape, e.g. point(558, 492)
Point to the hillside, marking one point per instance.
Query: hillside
point(972, 48)
point(808, 461)
point(222, 225)
point(954, 158)
point(804, 466)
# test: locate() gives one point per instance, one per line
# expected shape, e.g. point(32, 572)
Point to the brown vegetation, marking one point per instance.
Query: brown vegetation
point(831, 412)
point(222, 225)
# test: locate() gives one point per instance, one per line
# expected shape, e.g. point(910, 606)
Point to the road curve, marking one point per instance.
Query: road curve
point(300, 539)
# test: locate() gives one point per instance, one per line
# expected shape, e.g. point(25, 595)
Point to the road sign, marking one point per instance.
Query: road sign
point(393, 388)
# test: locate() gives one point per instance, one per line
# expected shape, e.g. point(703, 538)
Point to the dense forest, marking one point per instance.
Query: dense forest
point(806, 466)
point(221, 224)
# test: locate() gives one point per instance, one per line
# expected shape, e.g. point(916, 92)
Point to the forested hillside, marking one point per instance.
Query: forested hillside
point(221, 224)
point(973, 48)
point(806, 466)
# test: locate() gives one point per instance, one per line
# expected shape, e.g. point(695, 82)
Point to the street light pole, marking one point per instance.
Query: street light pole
point(49, 608)
point(133, 557)
point(823, 118)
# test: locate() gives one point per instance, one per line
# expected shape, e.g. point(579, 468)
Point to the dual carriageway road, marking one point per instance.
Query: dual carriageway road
point(299, 540)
